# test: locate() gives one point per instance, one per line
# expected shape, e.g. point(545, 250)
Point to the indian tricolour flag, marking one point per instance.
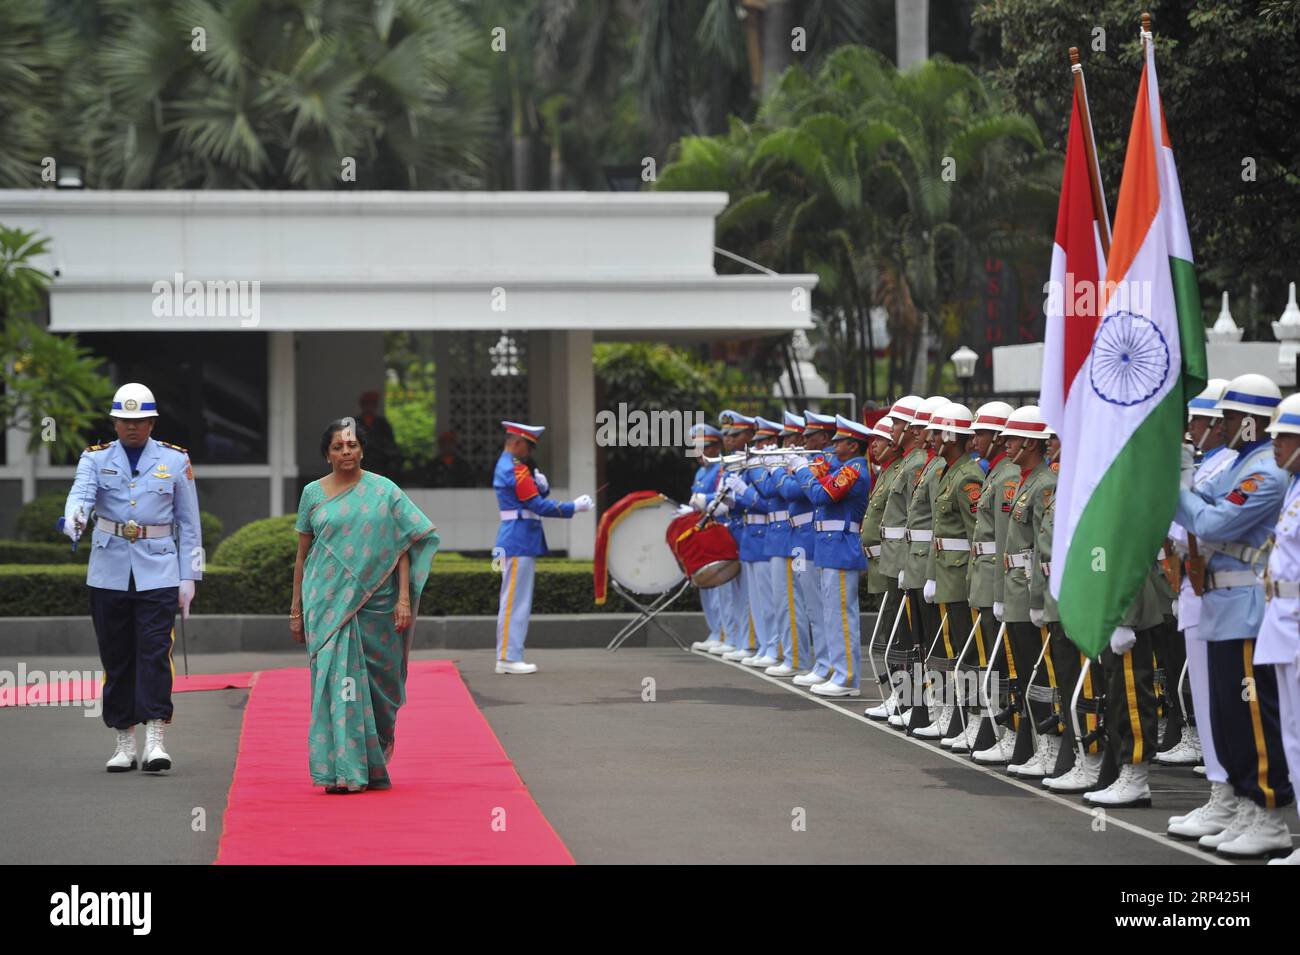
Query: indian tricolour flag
point(1123, 404)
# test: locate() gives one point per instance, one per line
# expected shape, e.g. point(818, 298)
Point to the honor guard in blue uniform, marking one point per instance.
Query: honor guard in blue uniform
point(840, 497)
point(1232, 518)
point(522, 498)
point(1279, 635)
point(818, 431)
point(741, 638)
point(790, 613)
point(708, 478)
point(146, 553)
point(756, 493)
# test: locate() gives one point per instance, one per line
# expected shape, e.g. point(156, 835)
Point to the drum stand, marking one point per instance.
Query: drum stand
point(648, 612)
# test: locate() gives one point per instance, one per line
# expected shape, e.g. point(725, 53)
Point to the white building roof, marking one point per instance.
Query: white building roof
point(623, 265)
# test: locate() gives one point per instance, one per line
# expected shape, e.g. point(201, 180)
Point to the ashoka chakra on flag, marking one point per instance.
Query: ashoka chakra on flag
point(1130, 359)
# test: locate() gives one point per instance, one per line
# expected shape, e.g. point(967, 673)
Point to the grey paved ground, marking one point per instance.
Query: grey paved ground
point(716, 769)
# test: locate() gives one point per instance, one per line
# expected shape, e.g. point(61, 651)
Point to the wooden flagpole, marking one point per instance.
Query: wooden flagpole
point(1090, 148)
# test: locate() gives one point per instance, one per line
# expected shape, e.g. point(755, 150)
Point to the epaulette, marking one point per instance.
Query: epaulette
point(99, 447)
point(174, 447)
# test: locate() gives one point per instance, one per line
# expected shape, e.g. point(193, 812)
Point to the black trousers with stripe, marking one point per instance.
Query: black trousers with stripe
point(1067, 662)
point(1130, 705)
point(1245, 722)
point(134, 632)
point(1171, 654)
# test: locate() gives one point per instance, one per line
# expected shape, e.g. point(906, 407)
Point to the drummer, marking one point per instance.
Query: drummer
point(739, 639)
point(708, 478)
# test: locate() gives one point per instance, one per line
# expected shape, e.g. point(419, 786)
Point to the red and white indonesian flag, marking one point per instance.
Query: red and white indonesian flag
point(1116, 389)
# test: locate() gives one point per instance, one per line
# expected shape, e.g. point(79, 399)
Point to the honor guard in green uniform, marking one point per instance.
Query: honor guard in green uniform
point(920, 536)
point(893, 548)
point(883, 453)
point(954, 500)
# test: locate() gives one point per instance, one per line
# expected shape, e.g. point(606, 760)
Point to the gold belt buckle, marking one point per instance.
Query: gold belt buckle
point(131, 530)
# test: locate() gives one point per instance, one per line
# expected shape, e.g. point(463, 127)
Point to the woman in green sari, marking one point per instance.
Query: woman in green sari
point(364, 553)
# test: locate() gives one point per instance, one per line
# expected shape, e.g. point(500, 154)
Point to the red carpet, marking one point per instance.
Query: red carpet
point(451, 780)
point(81, 688)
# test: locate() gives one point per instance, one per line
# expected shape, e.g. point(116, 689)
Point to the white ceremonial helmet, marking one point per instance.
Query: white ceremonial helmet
point(1206, 404)
point(1027, 422)
point(904, 409)
point(1287, 419)
point(926, 408)
point(951, 417)
point(134, 400)
point(884, 428)
point(991, 416)
point(1253, 394)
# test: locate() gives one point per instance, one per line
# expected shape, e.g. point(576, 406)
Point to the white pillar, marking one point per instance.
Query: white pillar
point(580, 415)
point(281, 407)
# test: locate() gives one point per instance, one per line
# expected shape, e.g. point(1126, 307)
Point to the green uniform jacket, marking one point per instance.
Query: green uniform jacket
point(1035, 493)
point(920, 517)
point(877, 582)
point(985, 573)
point(1040, 591)
point(955, 505)
point(893, 553)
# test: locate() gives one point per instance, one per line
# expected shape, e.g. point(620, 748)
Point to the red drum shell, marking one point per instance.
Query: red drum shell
point(708, 555)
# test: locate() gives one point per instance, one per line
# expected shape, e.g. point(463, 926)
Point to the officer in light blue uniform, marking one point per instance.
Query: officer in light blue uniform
point(523, 500)
point(742, 637)
point(840, 497)
point(752, 491)
point(1232, 515)
point(818, 430)
point(146, 553)
point(708, 479)
point(790, 613)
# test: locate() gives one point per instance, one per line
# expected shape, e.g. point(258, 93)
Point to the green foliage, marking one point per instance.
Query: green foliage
point(1230, 85)
point(38, 519)
point(409, 406)
point(31, 552)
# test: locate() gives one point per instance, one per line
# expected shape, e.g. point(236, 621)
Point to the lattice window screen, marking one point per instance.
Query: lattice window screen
point(487, 381)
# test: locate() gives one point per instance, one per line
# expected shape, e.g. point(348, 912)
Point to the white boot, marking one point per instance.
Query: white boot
point(1041, 763)
point(885, 710)
point(1208, 819)
point(965, 742)
point(156, 759)
point(1242, 820)
point(780, 669)
point(1186, 753)
point(123, 759)
point(1080, 778)
point(721, 648)
point(1129, 790)
point(999, 752)
point(935, 730)
point(761, 661)
point(706, 645)
point(1292, 859)
point(831, 688)
point(515, 666)
point(1267, 835)
point(808, 679)
point(735, 656)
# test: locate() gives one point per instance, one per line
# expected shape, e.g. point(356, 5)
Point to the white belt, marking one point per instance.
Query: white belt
point(779, 516)
point(1282, 588)
point(893, 533)
point(133, 531)
point(984, 548)
point(799, 520)
point(520, 515)
point(854, 527)
point(1021, 559)
point(920, 537)
point(951, 543)
point(755, 518)
point(1231, 578)
point(873, 550)
point(1242, 552)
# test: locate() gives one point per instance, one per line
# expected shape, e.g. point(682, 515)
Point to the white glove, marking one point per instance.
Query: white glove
point(698, 502)
point(794, 462)
point(74, 521)
point(583, 502)
point(720, 511)
point(928, 591)
point(735, 483)
point(685, 509)
point(1036, 617)
point(900, 580)
point(542, 483)
point(1122, 640)
point(999, 609)
point(184, 597)
point(1188, 466)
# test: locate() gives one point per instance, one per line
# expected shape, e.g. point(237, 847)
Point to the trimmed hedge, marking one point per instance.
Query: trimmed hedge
point(31, 552)
point(37, 522)
point(457, 588)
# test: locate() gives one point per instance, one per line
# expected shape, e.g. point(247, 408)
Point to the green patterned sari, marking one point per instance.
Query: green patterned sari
point(349, 592)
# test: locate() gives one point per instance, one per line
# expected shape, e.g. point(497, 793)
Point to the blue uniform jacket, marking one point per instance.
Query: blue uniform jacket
point(803, 539)
point(753, 541)
point(841, 495)
point(1238, 505)
point(777, 541)
point(161, 492)
point(515, 491)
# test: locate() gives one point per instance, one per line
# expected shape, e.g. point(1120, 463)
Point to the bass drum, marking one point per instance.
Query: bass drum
point(637, 555)
point(707, 554)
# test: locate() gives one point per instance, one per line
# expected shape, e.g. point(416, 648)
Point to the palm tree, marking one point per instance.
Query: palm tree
point(280, 94)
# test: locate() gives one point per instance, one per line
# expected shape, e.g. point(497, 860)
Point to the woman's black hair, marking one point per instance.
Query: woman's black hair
point(334, 427)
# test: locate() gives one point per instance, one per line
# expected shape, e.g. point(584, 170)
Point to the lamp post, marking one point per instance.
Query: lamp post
point(963, 362)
